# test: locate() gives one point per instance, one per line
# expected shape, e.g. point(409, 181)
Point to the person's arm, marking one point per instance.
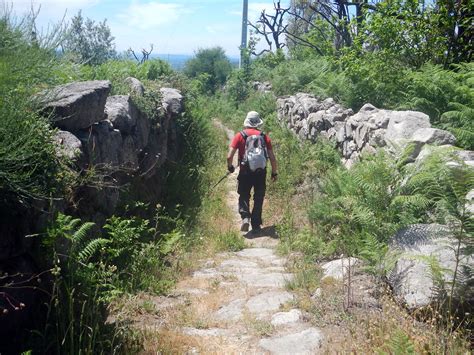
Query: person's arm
point(273, 163)
point(230, 159)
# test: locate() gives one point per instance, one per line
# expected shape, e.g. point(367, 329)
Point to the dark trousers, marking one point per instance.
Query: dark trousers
point(247, 181)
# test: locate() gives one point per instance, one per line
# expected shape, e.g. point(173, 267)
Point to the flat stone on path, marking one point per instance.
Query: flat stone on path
point(256, 253)
point(211, 332)
point(275, 279)
point(268, 301)
point(283, 318)
point(263, 255)
point(306, 342)
point(238, 264)
point(232, 311)
point(207, 273)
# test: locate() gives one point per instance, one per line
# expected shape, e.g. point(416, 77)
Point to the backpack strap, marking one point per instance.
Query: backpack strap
point(244, 135)
point(262, 134)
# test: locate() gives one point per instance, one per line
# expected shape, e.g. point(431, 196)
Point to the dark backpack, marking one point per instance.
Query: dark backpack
point(255, 156)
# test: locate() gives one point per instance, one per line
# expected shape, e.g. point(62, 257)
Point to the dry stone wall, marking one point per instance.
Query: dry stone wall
point(364, 132)
point(110, 133)
point(106, 134)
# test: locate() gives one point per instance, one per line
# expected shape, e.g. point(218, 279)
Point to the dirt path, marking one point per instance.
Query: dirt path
point(237, 302)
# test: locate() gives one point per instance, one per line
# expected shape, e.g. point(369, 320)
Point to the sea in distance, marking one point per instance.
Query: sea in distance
point(177, 61)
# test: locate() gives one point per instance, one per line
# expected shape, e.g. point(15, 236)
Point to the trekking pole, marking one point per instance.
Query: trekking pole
point(221, 179)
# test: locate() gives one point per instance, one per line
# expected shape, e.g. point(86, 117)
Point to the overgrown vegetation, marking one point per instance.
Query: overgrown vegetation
point(142, 249)
point(395, 55)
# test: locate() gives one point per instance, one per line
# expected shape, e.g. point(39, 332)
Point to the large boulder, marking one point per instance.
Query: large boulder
point(403, 124)
point(412, 278)
point(172, 100)
point(433, 136)
point(102, 144)
point(338, 269)
point(69, 145)
point(136, 87)
point(76, 105)
point(122, 112)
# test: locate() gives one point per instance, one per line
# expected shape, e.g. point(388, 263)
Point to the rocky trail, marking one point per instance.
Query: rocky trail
point(236, 302)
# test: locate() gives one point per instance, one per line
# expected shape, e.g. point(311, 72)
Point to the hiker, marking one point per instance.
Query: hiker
point(254, 148)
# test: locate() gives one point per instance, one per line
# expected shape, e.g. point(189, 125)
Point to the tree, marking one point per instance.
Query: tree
point(271, 27)
point(88, 42)
point(211, 64)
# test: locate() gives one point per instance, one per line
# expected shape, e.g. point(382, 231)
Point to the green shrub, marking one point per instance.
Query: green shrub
point(363, 202)
point(30, 168)
point(213, 63)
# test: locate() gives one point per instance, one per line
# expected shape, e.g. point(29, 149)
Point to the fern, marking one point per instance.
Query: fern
point(400, 344)
point(91, 248)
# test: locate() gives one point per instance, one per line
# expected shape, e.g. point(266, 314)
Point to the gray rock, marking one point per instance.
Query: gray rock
point(317, 294)
point(411, 279)
point(339, 268)
point(379, 121)
point(349, 130)
point(328, 103)
point(367, 108)
point(207, 273)
point(341, 135)
point(308, 103)
point(377, 138)
point(102, 143)
point(403, 124)
point(136, 86)
point(172, 100)
point(428, 150)
point(256, 253)
point(268, 301)
point(238, 264)
point(470, 201)
point(122, 112)
point(368, 149)
point(261, 279)
point(465, 155)
point(316, 120)
point(433, 136)
point(360, 136)
point(284, 318)
point(141, 134)
point(76, 105)
point(232, 311)
point(129, 156)
point(69, 145)
point(210, 332)
point(305, 342)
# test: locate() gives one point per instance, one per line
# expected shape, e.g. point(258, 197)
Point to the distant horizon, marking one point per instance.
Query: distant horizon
point(172, 26)
point(177, 61)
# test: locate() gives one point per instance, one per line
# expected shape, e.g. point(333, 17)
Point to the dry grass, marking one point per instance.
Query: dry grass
point(374, 323)
point(257, 327)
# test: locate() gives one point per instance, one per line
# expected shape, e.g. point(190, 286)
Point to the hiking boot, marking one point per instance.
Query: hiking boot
point(256, 229)
point(245, 225)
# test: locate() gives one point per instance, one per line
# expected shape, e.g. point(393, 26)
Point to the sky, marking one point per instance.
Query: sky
point(172, 26)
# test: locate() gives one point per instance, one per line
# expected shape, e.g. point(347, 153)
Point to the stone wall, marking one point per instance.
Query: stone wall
point(364, 132)
point(111, 135)
point(107, 134)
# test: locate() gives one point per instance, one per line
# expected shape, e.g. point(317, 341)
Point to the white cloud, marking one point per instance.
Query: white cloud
point(50, 7)
point(151, 15)
point(255, 9)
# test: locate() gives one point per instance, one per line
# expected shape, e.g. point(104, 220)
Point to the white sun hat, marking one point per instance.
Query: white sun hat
point(253, 120)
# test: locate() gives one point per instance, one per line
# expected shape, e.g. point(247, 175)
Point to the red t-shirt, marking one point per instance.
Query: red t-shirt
point(238, 142)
